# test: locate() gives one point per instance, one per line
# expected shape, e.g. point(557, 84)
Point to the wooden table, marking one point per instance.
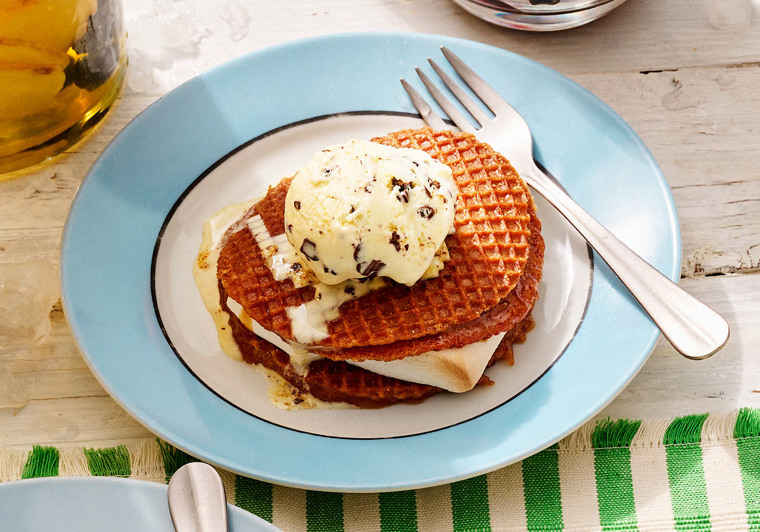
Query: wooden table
point(684, 73)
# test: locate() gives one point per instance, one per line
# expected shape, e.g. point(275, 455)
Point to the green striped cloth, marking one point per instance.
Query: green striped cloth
point(698, 472)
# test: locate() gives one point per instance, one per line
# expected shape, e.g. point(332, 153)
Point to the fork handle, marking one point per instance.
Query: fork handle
point(692, 328)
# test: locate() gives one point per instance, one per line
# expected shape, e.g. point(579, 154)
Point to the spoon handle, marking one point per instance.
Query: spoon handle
point(197, 501)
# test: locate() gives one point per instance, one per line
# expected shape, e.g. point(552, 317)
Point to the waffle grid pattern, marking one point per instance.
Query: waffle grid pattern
point(327, 380)
point(505, 315)
point(488, 252)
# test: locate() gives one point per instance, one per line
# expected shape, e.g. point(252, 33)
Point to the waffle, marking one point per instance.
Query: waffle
point(340, 382)
point(334, 380)
point(327, 380)
point(503, 316)
point(488, 251)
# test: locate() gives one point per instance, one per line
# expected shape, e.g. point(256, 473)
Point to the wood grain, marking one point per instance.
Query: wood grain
point(680, 72)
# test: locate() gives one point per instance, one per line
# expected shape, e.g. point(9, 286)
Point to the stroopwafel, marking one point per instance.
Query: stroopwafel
point(487, 286)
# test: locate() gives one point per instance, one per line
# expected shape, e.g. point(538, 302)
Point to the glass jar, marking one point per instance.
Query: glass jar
point(62, 64)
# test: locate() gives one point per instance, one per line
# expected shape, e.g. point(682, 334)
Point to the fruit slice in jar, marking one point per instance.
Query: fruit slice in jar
point(51, 25)
point(27, 90)
point(24, 54)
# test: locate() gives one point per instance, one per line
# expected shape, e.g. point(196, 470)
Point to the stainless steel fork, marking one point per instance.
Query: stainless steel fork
point(693, 329)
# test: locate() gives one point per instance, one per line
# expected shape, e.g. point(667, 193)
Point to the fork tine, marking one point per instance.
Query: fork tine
point(427, 113)
point(450, 109)
point(456, 89)
point(490, 97)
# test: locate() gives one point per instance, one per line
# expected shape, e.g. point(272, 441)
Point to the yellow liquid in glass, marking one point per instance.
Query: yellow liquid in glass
point(62, 63)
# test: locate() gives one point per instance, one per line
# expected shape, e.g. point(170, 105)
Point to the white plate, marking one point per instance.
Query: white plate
point(245, 174)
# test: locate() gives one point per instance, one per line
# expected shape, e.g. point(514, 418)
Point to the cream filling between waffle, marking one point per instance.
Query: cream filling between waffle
point(454, 369)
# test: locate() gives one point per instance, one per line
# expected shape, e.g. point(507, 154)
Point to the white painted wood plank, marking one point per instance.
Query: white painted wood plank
point(69, 421)
point(703, 127)
point(671, 385)
point(639, 35)
point(698, 112)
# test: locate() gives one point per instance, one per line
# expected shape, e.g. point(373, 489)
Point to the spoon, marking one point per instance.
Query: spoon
point(197, 501)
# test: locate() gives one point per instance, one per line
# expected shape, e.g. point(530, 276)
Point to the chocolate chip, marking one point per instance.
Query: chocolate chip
point(372, 269)
point(296, 266)
point(350, 290)
point(297, 205)
point(357, 248)
point(404, 188)
point(309, 249)
point(290, 228)
point(426, 212)
point(396, 241)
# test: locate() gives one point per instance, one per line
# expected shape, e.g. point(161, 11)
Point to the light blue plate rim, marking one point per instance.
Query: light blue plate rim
point(115, 218)
point(73, 504)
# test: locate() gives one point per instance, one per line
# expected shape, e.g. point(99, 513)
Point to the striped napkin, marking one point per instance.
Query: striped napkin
point(698, 472)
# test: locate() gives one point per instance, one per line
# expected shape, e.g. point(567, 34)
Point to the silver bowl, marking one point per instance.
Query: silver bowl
point(539, 15)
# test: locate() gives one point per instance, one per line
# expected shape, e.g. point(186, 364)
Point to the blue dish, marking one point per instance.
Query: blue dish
point(94, 504)
point(121, 206)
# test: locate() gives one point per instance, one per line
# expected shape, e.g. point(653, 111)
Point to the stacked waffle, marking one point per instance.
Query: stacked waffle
point(382, 342)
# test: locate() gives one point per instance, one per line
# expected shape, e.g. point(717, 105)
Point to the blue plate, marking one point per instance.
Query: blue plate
point(94, 504)
point(122, 206)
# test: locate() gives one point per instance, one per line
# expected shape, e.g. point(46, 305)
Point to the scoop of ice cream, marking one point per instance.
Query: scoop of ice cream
point(362, 209)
